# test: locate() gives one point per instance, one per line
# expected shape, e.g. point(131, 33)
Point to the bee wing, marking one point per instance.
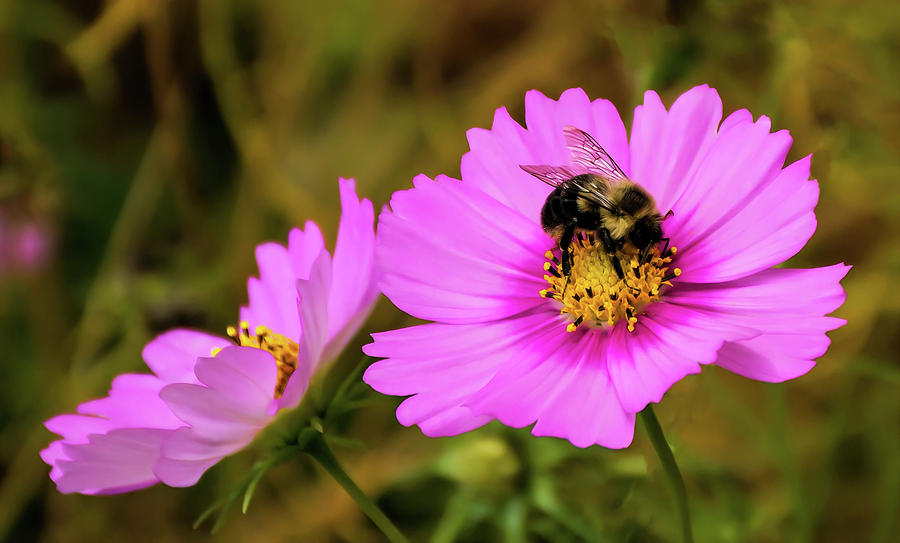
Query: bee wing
point(552, 175)
point(588, 154)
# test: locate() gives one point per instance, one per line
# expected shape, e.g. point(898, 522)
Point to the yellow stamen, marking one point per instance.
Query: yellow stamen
point(593, 292)
point(283, 349)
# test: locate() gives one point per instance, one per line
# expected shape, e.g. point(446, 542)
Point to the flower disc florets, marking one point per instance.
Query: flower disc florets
point(594, 293)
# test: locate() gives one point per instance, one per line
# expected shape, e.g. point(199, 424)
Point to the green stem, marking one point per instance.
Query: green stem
point(322, 454)
point(671, 468)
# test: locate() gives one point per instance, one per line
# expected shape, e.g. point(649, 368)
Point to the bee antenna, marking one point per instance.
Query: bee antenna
point(668, 214)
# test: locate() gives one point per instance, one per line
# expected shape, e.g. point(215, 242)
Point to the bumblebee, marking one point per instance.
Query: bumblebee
point(595, 196)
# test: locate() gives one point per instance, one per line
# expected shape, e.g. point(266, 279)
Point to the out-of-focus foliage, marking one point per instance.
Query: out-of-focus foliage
point(158, 141)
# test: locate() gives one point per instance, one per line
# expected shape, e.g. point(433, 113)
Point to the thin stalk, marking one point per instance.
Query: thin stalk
point(673, 476)
point(322, 454)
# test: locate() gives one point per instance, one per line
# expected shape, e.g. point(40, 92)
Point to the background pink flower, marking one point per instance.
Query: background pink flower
point(498, 350)
point(208, 398)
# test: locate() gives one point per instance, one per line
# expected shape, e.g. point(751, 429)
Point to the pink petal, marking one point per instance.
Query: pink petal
point(445, 364)
point(171, 355)
point(546, 119)
point(585, 409)
point(493, 163)
point(523, 386)
point(453, 421)
point(773, 301)
point(787, 306)
point(669, 342)
point(120, 461)
point(667, 146)
point(741, 164)
point(775, 224)
point(773, 358)
point(453, 254)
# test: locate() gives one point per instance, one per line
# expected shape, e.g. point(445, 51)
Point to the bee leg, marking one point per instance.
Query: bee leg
point(607, 241)
point(566, 257)
point(617, 265)
point(645, 252)
point(668, 214)
point(611, 248)
point(665, 247)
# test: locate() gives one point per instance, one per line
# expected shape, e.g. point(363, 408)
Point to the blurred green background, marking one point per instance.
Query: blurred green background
point(153, 143)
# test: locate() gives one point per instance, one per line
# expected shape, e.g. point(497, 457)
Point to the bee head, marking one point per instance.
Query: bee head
point(645, 233)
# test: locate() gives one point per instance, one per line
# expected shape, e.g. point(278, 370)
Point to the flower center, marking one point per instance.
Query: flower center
point(283, 349)
point(594, 292)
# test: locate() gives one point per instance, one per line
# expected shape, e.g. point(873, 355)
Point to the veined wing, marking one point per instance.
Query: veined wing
point(588, 154)
point(552, 175)
point(591, 187)
point(594, 188)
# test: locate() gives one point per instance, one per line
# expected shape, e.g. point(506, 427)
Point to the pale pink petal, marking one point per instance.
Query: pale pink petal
point(273, 298)
point(185, 456)
point(133, 401)
point(76, 428)
point(313, 310)
point(211, 413)
point(353, 261)
point(182, 473)
point(244, 375)
point(240, 384)
point(119, 461)
point(353, 287)
point(171, 355)
point(304, 246)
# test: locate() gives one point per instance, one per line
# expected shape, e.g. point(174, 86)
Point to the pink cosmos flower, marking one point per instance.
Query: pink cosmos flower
point(208, 397)
point(514, 340)
point(25, 244)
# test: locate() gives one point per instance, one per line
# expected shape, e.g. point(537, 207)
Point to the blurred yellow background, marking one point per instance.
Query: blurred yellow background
point(152, 144)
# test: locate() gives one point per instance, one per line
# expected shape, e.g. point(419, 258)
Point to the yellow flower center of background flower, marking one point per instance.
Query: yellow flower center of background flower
point(283, 349)
point(593, 293)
